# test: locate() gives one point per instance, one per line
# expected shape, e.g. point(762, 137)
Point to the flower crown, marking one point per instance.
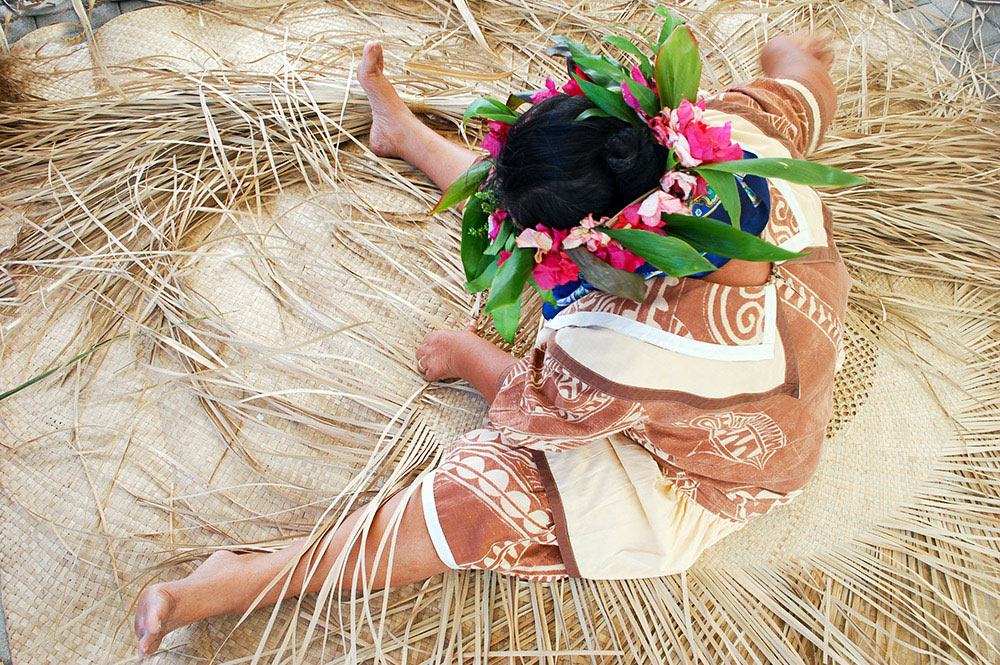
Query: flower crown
point(658, 228)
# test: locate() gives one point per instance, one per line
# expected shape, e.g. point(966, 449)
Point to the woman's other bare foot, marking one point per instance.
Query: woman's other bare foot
point(165, 607)
point(392, 121)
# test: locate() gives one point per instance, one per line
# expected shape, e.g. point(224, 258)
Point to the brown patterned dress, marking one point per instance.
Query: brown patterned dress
point(634, 436)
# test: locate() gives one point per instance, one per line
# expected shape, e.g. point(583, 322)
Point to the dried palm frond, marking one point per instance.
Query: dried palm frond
point(208, 196)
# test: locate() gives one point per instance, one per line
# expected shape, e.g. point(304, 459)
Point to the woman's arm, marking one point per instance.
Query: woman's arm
point(396, 132)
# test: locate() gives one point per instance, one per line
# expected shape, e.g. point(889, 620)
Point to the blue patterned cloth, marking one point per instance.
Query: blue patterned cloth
point(755, 202)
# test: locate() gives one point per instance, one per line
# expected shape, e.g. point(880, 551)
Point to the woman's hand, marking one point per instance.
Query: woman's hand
point(791, 47)
point(437, 354)
point(462, 354)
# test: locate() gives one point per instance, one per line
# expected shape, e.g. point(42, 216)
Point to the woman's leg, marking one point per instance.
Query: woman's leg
point(230, 584)
point(396, 132)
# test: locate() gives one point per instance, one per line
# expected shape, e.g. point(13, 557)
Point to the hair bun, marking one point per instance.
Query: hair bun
point(635, 159)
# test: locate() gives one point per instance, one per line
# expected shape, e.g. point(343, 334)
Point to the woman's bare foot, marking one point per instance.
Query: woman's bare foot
point(392, 121)
point(165, 607)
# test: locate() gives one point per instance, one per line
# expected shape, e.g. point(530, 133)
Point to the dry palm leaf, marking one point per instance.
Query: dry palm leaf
point(189, 191)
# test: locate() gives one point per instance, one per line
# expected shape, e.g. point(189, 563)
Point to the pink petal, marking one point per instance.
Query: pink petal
point(631, 101)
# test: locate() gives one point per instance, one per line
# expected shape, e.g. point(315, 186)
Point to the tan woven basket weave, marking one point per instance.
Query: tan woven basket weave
point(264, 300)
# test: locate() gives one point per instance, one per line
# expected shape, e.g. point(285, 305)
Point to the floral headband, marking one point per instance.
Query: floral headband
point(658, 228)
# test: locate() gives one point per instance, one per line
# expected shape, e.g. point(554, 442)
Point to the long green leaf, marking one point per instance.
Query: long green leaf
point(725, 187)
point(464, 186)
point(799, 171)
point(510, 279)
point(678, 69)
point(646, 97)
point(576, 49)
point(601, 70)
point(715, 237)
point(671, 255)
point(593, 113)
point(609, 102)
point(645, 66)
point(506, 228)
point(546, 294)
point(606, 277)
point(80, 356)
point(670, 23)
point(475, 237)
point(506, 319)
point(491, 109)
point(485, 277)
point(636, 31)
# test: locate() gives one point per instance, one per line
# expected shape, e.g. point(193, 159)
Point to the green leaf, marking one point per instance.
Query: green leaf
point(644, 64)
point(646, 97)
point(506, 228)
point(513, 101)
point(635, 31)
point(715, 237)
point(546, 294)
point(610, 102)
point(505, 319)
point(678, 69)
point(464, 186)
point(670, 23)
point(672, 160)
point(510, 279)
point(593, 113)
point(725, 187)
point(510, 243)
point(576, 49)
point(671, 255)
point(798, 171)
point(475, 238)
point(80, 356)
point(491, 109)
point(485, 278)
point(599, 68)
point(606, 277)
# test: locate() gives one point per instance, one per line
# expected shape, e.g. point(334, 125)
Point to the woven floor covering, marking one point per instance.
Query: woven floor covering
point(229, 288)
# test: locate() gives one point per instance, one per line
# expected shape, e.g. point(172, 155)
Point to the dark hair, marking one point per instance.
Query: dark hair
point(555, 170)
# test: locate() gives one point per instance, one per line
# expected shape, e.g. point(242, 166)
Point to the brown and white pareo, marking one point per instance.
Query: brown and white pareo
point(635, 435)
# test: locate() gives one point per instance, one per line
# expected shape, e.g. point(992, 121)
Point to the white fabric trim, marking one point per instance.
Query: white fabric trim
point(803, 238)
point(433, 523)
point(673, 342)
point(813, 105)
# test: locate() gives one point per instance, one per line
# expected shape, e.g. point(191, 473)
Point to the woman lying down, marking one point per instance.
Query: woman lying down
point(681, 382)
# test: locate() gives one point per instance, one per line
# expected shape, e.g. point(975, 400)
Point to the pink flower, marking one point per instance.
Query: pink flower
point(555, 269)
point(638, 77)
point(496, 219)
point(573, 89)
point(535, 238)
point(620, 258)
point(539, 239)
point(503, 257)
point(629, 217)
point(586, 234)
point(680, 184)
point(631, 100)
point(549, 91)
point(657, 203)
point(694, 141)
point(496, 138)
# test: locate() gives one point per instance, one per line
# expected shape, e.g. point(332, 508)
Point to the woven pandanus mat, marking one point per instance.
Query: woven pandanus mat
point(186, 192)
